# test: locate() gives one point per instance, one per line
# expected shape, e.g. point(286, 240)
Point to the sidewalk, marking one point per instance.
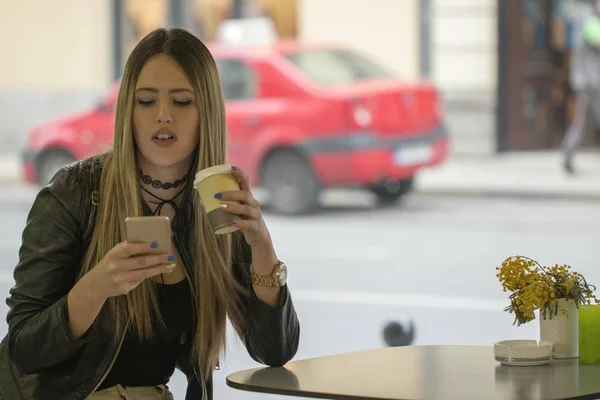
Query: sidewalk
point(526, 174)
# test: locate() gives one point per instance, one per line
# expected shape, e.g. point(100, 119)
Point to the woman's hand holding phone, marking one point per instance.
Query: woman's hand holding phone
point(125, 266)
point(145, 253)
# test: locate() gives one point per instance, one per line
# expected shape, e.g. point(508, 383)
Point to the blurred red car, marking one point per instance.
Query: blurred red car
point(300, 118)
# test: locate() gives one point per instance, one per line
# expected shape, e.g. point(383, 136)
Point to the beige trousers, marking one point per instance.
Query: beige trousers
point(160, 392)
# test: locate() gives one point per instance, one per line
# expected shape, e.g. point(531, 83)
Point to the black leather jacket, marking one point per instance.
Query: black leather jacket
point(38, 358)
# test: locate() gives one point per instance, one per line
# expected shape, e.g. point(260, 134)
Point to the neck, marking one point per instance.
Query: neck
point(168, 174)
point(164, 174)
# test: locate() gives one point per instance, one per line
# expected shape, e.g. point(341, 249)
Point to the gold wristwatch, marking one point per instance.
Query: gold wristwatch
point(277, 278)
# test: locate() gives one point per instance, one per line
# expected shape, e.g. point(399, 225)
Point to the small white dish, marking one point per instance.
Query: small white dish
point(523, 352)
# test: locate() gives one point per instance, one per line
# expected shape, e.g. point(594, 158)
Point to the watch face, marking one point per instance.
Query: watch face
point(283, 275)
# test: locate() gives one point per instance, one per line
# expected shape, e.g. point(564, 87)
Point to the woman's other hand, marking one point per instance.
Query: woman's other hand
point(252, 224)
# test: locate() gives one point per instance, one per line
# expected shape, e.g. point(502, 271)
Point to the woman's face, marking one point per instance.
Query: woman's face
point(165, 115)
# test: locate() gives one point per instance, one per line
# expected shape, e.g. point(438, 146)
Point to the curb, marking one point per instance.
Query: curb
point(9, 180)
point(12, 181)
point(11, 169)
point(500, 193)
point(510, 194)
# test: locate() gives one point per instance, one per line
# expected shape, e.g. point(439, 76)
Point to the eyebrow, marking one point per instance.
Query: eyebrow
point(155, 90)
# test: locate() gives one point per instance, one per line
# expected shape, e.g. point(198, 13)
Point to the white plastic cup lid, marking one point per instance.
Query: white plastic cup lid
point(211, 171)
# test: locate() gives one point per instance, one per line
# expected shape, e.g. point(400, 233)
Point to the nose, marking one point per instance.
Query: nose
point(164, 115)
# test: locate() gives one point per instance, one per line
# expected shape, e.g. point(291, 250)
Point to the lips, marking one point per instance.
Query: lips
point(164, 134)
point(164, 138)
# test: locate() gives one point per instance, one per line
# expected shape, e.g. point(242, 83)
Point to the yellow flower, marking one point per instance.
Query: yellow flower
point(534, 287)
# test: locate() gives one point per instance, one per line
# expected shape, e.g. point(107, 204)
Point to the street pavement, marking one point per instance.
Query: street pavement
point(430, 260)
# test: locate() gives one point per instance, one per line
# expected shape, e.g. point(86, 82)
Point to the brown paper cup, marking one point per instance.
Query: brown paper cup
point(209, 182)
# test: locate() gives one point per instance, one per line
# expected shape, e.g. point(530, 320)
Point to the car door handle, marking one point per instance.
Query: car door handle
point(252, 121)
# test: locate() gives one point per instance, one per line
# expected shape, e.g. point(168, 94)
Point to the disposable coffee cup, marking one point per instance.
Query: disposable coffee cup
point(209, 182)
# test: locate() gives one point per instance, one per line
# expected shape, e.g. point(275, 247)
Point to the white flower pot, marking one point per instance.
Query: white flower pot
point(562, 330)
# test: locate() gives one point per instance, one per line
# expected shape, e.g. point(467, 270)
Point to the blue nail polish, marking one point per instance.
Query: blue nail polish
point(233, 222)
point(153, 245)
point(233, 167)
point(218, 196)
point(172, 258)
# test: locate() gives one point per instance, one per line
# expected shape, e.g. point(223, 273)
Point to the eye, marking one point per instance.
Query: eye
point(182, 103)
point(145, 102)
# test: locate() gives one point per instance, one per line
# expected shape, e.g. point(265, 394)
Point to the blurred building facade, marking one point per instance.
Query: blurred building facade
point(68, 52)
point(57, 60)
point(459, 51)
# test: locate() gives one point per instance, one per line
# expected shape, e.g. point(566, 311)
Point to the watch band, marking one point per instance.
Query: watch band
point(271, 280)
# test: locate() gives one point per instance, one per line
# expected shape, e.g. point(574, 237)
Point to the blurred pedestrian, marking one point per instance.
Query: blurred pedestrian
point(585, 77)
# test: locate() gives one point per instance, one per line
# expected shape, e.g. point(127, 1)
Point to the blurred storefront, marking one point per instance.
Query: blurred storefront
point(503, 66)
point(535, 101)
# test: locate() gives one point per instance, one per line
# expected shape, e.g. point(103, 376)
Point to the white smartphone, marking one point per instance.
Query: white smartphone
point(150, 229)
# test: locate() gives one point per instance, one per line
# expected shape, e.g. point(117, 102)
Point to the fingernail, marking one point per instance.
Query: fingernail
point(153, 245)
point(218, 196)
point(233, 222)
point(172, 258)
point(223, 205)
point(170, 267)
point(233, 167)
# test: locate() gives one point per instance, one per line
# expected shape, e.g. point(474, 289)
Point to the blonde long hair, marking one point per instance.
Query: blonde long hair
point(213, 254)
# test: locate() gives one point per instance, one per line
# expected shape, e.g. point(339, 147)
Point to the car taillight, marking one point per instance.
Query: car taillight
point(360, 117)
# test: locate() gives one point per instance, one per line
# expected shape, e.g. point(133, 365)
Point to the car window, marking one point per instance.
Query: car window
point(336, 67)
point(237, 79)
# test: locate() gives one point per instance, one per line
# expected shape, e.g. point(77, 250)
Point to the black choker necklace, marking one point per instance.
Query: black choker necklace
point(157, 184)
point(160, 202)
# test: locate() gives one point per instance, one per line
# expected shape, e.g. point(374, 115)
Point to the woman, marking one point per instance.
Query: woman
point(89, 316)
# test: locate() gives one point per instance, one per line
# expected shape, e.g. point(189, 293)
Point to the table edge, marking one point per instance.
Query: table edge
point(294, 393)
point(314, 395)
point(309, 394)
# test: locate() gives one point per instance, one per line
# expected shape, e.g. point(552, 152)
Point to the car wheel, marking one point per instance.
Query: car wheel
point(291, 183)
point(50, 163)
point(390, 193)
